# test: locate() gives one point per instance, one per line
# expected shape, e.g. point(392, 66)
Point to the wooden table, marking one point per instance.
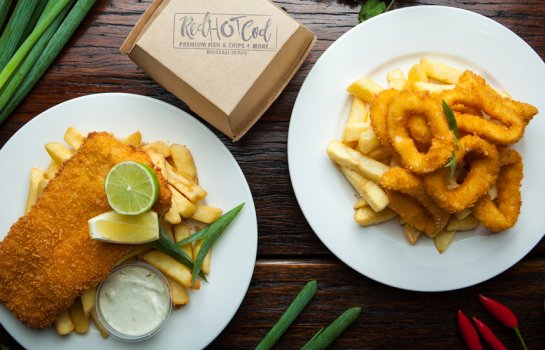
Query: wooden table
point(289, 253)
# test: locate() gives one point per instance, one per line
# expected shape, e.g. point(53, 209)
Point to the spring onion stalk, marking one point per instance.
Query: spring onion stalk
point(53, 48)
point(287, 318)
point(11, 37)
point(323, 338)
point(29, 42)
point(214, 231)
point(36, 14)
point(4, 10)
point(30, 59)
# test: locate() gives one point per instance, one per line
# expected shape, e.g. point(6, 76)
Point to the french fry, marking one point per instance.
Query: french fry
point(177, 292)
point(379, 153)
point(412, 234)
point(352, 159)
point(135, 252)
point(182, 231)
point(188, 188)
point(365, 89)
point(206, 262)
point(36, 175)
point(42, 185)
point(99, 326)
point(442, 240)
point(51, 170)
point(356, 121)
point(134, 139)
point(172, 216)
point(58, 152)
point(417, 73)
point(206, 213)
point(432, 87)
point(159, 147)
point(73, 137)
point(468, 223)
point(463, 214)
point(170, 267)
point(88, 300)
point(396, 79)
point(367, 217)
point(373, 194)
point(78, 317)
point(63, 324)
point(367, 140)
point(440, 71)
point(183, 205)
point(184, 162)
point(158, 159)
point(361, 203)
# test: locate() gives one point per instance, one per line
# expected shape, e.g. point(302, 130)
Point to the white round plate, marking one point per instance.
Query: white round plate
point(398, 39)
point(233, 258)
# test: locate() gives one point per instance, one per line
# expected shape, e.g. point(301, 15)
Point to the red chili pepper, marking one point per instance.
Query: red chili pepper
point(469, 333)
point(503, 314)
point(488, 335)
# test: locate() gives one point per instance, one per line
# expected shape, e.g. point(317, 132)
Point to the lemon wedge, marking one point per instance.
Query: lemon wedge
point(113, 227)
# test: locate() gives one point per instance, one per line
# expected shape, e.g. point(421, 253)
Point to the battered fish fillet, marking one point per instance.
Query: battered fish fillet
point(47, 259)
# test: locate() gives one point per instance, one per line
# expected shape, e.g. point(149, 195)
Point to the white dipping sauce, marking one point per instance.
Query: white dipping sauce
point(134, 300)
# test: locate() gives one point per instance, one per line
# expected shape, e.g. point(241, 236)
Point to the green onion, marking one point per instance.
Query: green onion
point(166, 245)
point(30, 41)
point(30, 59)
point(323, 338)
point(453, 126)
point(287, 318)
point(11, 37)
point(55, 45)
point(4, 10)
point(36, 14)
point(214, 230)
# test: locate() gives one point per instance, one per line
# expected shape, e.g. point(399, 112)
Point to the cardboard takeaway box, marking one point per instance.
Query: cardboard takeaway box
point(228, 60)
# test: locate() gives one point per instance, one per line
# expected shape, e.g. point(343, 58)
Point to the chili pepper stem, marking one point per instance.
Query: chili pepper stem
point(517, 331)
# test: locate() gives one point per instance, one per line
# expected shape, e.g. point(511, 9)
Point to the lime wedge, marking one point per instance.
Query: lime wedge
point(129, 229)
point(132, 188)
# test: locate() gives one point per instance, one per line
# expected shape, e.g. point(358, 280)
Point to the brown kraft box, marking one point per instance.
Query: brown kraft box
point(228, 60)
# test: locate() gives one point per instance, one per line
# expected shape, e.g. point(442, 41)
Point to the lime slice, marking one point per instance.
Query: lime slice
point(130, 229)
point(132, 188)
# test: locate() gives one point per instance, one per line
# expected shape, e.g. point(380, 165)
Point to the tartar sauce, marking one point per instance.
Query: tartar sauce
point(134, 301)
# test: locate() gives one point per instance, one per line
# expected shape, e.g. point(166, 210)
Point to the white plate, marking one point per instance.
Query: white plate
point(233, 258)
point(398, 39)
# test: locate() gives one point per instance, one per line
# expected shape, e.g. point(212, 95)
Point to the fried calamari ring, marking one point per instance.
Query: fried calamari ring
point(408, 198)
point(406, 105)
point(483, 170)
point(378, 113)
point(508, 118)
point(503, 214)
point(419, 131)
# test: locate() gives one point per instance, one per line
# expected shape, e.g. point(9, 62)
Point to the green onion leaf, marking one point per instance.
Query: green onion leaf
point(213, 232)
point(372, 8)
point(53, 48)
point(453, 126)
point(4, 10)
point(326, 336)
point(287, 318)
point(29, 42)
point(11, 37)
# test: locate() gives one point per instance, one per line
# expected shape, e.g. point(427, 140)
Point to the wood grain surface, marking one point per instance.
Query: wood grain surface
point(289, 253)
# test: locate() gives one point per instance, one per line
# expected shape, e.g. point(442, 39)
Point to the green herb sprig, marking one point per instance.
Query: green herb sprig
point(449, 114)
point(372, 8)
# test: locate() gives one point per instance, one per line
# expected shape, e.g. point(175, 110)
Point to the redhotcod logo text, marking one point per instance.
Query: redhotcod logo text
point(224, 33)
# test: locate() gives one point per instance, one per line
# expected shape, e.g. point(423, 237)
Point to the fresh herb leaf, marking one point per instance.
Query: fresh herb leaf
point(213, 231)
point(372, 8)
point(449, 114)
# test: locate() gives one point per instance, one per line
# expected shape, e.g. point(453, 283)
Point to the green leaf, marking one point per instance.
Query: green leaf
point(213, 232)
point(372, 8)
point(453, 126)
